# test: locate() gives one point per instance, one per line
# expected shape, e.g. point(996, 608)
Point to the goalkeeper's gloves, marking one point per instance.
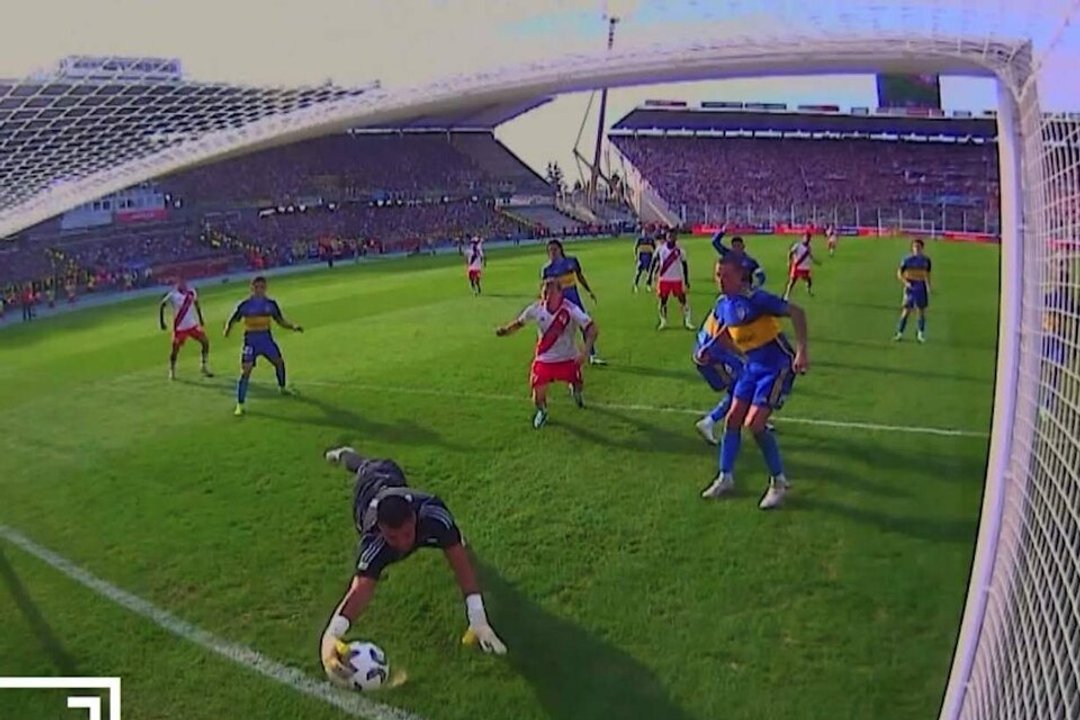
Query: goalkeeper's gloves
point(334, 650)
point(479, 629)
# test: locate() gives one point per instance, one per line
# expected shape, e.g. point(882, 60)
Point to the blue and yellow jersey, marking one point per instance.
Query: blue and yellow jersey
point(915, 269)
point(565, 270)
point(752, 322)
point(709, 347)
point(1060, 311)
point(258, 314)
point(645, 245)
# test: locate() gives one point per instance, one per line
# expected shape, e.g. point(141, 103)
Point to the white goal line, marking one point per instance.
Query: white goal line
point(780, 417)
point(351, 703)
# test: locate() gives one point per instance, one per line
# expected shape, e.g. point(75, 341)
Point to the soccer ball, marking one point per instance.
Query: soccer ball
point(369, 666)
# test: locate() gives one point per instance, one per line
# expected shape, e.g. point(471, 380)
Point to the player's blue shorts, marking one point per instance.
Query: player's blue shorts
point(1053, 349)
point(256, 344)
point(719, 377)
point(765, 385)
point(644, 262)
point(916, 297)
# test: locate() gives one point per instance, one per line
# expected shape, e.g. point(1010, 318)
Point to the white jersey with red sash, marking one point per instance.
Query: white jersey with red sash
point(801, 259)
point(556, 330)
point(671, 263)
point(476, 256)
point(185, 317)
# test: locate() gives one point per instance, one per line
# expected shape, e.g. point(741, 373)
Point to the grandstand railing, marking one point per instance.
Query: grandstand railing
point(924, 219)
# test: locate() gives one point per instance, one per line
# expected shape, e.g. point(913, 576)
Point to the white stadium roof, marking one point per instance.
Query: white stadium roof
point(66, 141)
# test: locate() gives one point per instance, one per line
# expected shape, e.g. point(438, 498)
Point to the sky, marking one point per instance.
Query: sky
point(409, 42)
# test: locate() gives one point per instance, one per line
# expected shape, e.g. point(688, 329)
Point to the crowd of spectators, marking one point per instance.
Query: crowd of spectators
point(360, 166)
point(844, 181)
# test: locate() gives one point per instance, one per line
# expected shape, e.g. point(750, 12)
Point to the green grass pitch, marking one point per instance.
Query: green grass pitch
point(620, 593)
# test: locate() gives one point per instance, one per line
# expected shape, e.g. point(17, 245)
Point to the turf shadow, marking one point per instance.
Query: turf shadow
point(574, 674)
point(915, 372)
point(52, 646)
point(688, 374)
point(359, 427)
point(647, 438)
point(920, 527)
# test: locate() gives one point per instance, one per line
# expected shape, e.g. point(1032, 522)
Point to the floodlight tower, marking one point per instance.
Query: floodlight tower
point(612, 21)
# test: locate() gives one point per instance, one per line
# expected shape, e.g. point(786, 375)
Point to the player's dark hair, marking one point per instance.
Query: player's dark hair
point(558, 244)
point(919, 242)
point(393, 511)
point(734, 262)
point(738, 239)
point(259, 279)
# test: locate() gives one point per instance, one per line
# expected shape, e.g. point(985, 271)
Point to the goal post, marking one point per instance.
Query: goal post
point(1018, 652)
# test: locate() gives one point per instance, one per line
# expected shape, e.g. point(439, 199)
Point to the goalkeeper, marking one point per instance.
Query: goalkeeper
point(394, 520)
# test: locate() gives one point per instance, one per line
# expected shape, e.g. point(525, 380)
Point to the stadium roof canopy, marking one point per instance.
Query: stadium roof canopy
point(64, 143)
point(786, 122)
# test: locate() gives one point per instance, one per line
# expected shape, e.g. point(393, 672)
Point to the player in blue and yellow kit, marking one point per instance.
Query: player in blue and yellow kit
point(752, 327)
point(643, 252)
point(1060, 312)
point(752, 267)
point(914, 273)
point(720, 367)
point(567, 270)
point(258, 312)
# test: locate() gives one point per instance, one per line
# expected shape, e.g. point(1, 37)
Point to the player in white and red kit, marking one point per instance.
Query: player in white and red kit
point(558, 358)
point(830, 239)
point(800, 263)
point(187, 323)
point(672, 278)
point(475, 261)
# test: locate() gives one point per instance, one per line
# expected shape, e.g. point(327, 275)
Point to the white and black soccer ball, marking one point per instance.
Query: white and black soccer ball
point(369, 665)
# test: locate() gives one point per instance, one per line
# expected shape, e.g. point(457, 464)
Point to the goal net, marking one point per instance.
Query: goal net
point(1018, 655)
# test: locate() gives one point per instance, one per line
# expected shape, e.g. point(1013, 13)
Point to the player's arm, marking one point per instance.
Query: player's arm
point(161, 312)
point(198, 311)
point(900, 276)
point(479, 627)
point(280, 320)
point(718, 242)
point(513, 326)
point(928, 277)
point(779, 307)
point(333, 647)
point(233, 319)
point(686, 272)
point(798, 323)
point(584, 283)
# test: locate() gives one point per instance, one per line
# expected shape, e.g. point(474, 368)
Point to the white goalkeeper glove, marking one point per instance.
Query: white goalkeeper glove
point(479, 629)
point(334, 650)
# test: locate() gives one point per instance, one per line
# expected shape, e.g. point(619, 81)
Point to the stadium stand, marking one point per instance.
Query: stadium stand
point(766, 167)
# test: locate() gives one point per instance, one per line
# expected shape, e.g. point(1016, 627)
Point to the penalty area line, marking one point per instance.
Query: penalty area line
point(351, 703)
point(780, 418)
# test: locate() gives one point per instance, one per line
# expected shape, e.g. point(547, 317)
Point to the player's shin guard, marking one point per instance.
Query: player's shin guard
point(922, 324)
point(902, 325)
point(771, 452)
point(242, 388)
point(280, 371)
point(729, 449)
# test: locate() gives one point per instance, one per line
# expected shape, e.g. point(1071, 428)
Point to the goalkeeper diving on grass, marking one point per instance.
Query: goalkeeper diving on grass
point(394, 520)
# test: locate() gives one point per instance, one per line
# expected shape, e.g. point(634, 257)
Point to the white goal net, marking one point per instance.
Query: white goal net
point(1018, 649)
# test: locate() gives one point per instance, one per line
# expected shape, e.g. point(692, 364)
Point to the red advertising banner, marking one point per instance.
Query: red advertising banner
point(143, 215)
point(864, 231)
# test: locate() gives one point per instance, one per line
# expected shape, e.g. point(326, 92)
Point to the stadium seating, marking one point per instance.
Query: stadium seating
point(848, 182)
